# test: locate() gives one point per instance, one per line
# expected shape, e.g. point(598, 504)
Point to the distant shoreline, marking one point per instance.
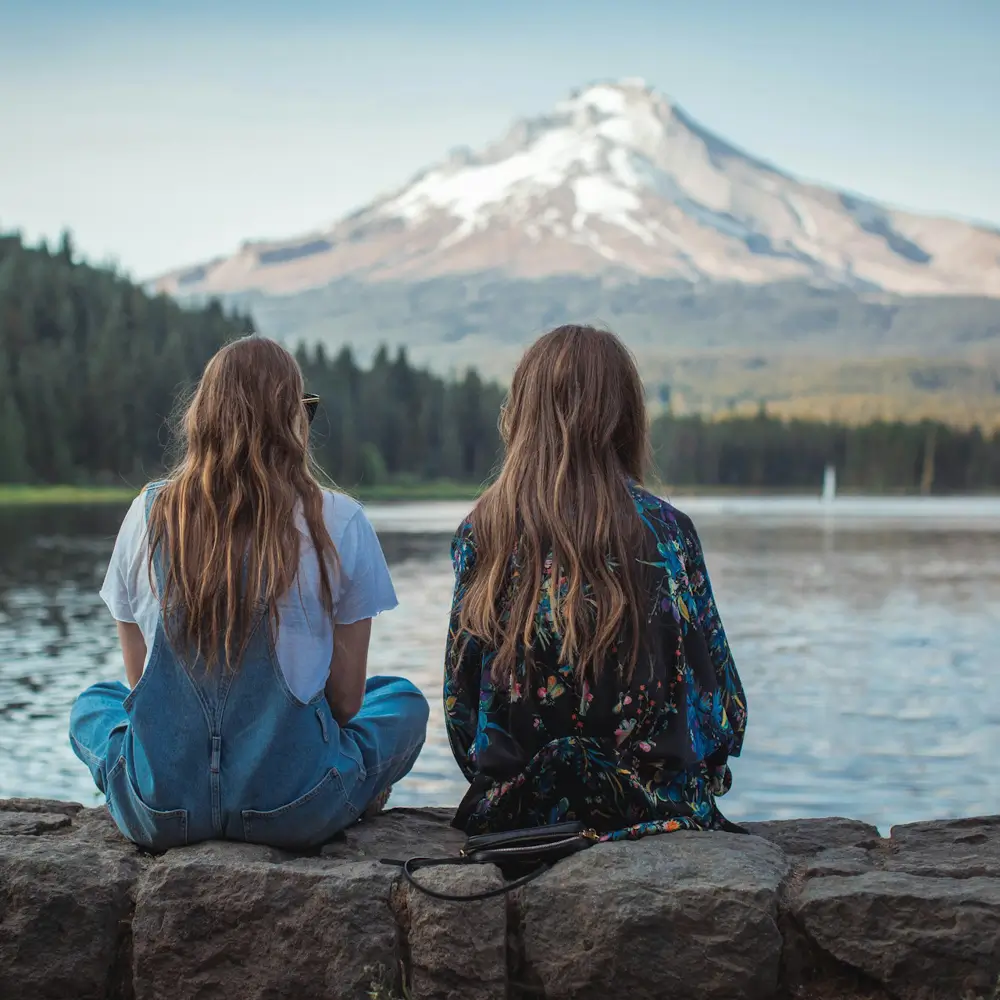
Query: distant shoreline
point(430, 492)
point(57, 495)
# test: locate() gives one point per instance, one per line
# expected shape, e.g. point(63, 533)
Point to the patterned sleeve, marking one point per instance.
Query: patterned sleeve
point(463, 662)
point(710, 624)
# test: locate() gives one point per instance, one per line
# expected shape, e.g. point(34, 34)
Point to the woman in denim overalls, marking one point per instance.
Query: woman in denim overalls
point(244, 595)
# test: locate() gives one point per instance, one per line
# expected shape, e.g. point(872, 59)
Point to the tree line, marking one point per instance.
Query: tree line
point(91, 366)
point(763, 452)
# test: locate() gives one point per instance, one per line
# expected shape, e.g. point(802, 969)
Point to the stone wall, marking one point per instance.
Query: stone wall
point(801, 909)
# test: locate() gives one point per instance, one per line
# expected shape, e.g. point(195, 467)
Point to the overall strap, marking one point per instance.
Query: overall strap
point(151, 492)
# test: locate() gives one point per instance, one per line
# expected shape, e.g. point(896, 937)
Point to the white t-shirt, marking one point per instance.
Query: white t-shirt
point(362, 589)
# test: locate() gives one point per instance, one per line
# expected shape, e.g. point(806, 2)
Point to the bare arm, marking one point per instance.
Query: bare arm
point(133, 650)
point(345, 687)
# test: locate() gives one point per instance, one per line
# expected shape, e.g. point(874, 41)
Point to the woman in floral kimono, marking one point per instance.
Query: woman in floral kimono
point(587, 674)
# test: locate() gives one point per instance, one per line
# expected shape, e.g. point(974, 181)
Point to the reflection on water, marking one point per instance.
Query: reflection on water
point(867, 635)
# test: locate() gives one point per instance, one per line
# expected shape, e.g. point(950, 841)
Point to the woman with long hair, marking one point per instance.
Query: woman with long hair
point(244, 594)
point(587, 674)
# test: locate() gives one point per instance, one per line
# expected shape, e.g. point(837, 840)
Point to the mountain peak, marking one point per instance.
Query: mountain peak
point(618, 178)
point(612, 97)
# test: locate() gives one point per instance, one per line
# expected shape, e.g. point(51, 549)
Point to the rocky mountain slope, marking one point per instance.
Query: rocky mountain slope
point(614, 181)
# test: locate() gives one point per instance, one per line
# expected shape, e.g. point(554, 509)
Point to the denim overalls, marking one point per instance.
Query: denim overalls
point(192, 755)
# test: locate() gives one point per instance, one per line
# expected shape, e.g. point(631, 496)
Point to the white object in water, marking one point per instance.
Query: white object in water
point(829, 484)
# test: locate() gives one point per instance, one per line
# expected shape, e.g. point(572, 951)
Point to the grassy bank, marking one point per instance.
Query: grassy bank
point(38, 496)
point(41, 496)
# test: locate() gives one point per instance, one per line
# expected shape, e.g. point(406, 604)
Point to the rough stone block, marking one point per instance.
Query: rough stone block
point(457, 951)
point(955, 848)
point(803, 837)
point(921, 938)
point(65, 914)
point(227, 921)
point(690, 915)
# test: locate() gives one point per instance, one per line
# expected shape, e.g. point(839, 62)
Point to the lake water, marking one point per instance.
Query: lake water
point(867, 633)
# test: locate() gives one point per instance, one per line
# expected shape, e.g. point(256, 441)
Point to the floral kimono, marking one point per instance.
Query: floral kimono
point(626, 755)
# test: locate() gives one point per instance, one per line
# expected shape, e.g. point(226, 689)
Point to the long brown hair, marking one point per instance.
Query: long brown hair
point(575, 430)
point(224, 523)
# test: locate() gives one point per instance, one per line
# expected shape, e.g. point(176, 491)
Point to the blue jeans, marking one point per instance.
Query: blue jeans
point(376, 748)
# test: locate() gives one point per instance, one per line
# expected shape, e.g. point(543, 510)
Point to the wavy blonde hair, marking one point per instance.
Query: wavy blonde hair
point(575, 430)
point(224, 523)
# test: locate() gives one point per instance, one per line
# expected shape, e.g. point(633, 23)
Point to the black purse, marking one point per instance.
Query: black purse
point(522, 855)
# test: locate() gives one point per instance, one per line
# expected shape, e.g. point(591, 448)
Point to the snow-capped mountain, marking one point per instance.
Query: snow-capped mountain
point(617, 180)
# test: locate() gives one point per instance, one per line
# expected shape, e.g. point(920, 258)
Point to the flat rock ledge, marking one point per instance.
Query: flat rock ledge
point(823, 909)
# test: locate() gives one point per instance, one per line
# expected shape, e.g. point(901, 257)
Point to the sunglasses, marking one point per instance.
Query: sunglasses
point(311, 403)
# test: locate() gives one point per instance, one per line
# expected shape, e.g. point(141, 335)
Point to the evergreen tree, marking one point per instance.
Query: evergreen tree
point(13, 460)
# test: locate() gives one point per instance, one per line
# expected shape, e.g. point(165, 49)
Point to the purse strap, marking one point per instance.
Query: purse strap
point(413, 864)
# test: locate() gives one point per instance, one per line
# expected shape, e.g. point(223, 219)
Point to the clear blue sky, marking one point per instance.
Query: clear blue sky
point(163, 134)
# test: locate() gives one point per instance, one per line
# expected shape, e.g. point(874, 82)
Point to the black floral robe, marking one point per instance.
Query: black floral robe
point(627, 757)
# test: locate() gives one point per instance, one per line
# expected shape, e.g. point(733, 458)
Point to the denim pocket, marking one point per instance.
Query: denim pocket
point(154, 829)
point(352, 761)
point(305, 822)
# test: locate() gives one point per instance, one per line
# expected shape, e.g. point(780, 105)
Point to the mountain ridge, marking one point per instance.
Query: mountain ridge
point(616, 179)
